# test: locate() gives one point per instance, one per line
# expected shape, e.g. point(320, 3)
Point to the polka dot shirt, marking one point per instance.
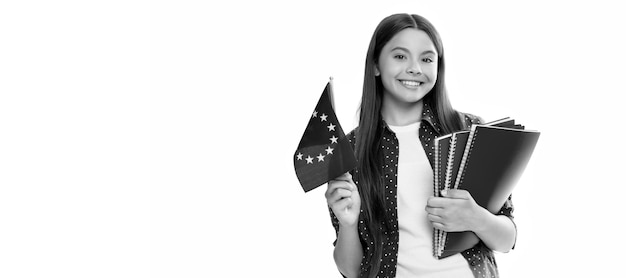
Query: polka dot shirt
point(480, 258)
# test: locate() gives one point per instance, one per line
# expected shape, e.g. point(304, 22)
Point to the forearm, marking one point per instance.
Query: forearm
point(348, 251)
point(496, 231)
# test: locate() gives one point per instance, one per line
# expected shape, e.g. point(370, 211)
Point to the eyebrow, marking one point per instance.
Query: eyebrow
point(407, 50)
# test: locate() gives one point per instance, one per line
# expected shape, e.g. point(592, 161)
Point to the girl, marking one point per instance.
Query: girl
point(384, 211)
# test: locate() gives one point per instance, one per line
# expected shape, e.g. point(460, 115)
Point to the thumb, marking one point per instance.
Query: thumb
point(455, 194)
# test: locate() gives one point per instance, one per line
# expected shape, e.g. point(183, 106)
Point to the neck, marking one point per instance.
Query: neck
point(401, 114)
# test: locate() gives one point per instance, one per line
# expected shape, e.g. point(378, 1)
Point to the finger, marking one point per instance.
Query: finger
point(457, 194)
point(434, 218)
point(439, 226)
point(436, 202)
point(338, 195)
point(435, 211)
point(341, 205)
point(334, 184)
point(346, 177)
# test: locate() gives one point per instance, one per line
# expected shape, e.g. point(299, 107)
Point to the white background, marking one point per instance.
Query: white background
point(155, 139)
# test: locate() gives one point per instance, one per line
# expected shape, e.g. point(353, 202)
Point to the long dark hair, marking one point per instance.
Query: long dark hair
point(368, 138)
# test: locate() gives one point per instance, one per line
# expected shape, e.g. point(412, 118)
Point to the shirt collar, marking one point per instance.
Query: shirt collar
point(428, 115)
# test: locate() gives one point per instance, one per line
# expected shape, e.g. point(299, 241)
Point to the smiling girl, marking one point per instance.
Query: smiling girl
point(384, 211)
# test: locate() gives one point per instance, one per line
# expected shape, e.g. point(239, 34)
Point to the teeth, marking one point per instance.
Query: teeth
point(411, 83)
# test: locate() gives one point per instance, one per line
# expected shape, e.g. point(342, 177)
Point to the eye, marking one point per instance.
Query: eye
point(428, 60)
point(399, 56)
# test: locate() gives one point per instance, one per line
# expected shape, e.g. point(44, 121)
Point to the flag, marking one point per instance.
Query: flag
point(324, 152)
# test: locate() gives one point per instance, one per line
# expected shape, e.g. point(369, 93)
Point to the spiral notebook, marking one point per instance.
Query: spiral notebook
point(487, 161)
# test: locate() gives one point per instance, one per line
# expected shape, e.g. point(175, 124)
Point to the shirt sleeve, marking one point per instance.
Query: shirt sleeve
point(469, 120)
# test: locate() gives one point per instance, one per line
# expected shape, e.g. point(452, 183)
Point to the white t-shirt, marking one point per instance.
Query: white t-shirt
point(415, 185)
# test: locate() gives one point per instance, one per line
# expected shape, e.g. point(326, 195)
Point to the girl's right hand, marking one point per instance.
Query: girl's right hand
point(343, 198)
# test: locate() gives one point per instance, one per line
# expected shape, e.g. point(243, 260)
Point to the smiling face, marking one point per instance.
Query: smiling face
point(407, 66)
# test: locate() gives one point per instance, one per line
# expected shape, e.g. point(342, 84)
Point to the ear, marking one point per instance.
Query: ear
point(376, 71)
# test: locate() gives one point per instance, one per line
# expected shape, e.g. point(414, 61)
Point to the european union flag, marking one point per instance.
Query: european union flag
point(324, 152)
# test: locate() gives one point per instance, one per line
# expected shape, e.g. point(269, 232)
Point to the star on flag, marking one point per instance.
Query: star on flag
point(320, 158)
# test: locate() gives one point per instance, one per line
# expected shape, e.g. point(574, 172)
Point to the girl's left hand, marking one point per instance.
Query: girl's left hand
point(455, 212)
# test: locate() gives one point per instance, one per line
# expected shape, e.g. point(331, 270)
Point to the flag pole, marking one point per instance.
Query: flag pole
point(332, 103)
point(330, 92)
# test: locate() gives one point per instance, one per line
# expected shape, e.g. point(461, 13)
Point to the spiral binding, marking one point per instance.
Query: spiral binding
point(445, 241)
point(437, 157)
point(436, 194)
point(441, 235)
point(450, 163)
point(465, 159)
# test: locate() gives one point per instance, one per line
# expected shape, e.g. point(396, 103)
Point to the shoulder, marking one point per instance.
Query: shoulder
point(469, 119)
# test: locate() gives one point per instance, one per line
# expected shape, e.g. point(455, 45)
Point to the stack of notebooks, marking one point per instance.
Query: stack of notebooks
point(487, 161)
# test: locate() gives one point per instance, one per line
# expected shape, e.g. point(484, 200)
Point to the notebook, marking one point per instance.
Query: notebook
point(487, 161)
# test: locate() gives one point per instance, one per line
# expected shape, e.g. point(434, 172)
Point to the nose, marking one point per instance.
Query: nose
point(414, 68)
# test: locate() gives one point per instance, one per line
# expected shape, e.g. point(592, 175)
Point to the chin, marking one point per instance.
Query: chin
point(416, 97)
